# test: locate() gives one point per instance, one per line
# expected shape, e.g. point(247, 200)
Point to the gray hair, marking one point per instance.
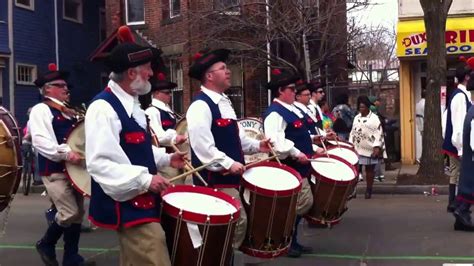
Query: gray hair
point(119, 77)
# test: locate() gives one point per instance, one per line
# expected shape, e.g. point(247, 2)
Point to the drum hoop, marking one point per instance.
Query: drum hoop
point(344, 147)
point(264, 254)
point(342, 143)
point(271, 193)
point(68, 135)
point(330, 180)
point(199, 217)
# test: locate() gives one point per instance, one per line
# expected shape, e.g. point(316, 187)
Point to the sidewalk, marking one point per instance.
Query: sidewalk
point(389, 185)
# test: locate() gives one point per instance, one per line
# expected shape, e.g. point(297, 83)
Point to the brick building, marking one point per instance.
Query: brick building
point(171, 26)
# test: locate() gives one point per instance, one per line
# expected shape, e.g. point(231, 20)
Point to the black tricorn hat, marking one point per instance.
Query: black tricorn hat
point(128, 54)
point(159, 83)
point(52, 74)
point(202, 62)
point(281, 78)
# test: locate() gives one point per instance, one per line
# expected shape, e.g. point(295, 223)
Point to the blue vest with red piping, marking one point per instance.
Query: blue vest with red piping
point(226, 137)
point(448, 147)
point(309, 122)
point(167, 120)
point(296, 131)
point(136, 143)
point(61, 126)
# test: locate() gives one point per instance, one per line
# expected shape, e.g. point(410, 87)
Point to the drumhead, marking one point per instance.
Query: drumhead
point(271, 178)
point(253, 128)
point(78, 174)
point(345, 153)
point(199, 203)
point(333, 168)
point(341, 143)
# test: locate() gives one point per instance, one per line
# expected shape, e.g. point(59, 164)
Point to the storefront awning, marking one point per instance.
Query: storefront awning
point(411, 37)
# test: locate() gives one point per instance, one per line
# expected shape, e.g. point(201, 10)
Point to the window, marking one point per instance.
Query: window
point(134, 12)
point(228, 7)
point(235, 92)
point(72, 10)
point(175, 8)
point(25, 74)
point(176, 76)
point(28, 4)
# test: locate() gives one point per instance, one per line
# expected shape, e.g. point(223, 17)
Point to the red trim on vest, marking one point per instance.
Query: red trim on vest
point(134, 137)
point(298, 123)
point(446, 152)
point(223, 122)
point(145, 201)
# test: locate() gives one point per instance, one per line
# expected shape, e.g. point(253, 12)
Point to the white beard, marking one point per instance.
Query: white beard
point(140, 86)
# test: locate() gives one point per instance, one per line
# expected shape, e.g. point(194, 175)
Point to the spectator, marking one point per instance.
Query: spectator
point(344, 116)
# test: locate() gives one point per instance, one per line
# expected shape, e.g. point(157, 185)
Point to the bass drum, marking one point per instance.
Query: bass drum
point(253, 128)
point(10, 157)
point(77, 173)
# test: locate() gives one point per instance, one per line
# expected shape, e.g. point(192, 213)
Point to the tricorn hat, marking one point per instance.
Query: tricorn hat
point(202, 62)
point(52, 74)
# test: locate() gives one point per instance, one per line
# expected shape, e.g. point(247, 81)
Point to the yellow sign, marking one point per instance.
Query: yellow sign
point(411, 37)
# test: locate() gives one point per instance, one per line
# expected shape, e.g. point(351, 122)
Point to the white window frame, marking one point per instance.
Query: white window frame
point(178, 78)
point(134, 22)
point(171, 9)
point(232, 13)
point(33, 74)
point(80, 11)
point(30, 7)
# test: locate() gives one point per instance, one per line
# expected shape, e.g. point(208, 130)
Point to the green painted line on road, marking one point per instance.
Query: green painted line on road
point(59, 247)
point(327, 256)
point(361, 257)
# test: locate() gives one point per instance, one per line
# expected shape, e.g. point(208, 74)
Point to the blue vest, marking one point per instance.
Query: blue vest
point(448, 147)
point(296, 131)
point(136, 143)
point(61, 126)
point(167, 121)
point(309, 122)
point(226, 137)
point(466, 178)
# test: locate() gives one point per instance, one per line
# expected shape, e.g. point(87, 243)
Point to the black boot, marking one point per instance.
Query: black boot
point(451, 200)
point(463, 216)
point(46, 247)
point(71, 246)
point(368, 193)
point(296, 249)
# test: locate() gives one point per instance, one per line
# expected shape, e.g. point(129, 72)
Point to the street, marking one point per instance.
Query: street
point(386, 230)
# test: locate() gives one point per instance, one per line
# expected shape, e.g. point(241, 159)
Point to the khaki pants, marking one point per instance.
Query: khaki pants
point(170, 172)
point(305, 198)
point(241, 226)
point(68, 202)
point(143, 245)
point(455, 170)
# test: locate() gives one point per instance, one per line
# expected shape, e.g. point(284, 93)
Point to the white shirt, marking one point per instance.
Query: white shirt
point(420, 113)
point(106, 161)
point(165, 138)
point(307, 111)
point(199, 119)
point(458, 112)
point(274, 126)
point(314, 108)
point(42, 133)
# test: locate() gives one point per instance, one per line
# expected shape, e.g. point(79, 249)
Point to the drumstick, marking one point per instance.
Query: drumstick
point(262, 160)
point(190, 172)
point(319, 161)
point(190, 165)
point(325, 149)
point(274, 154)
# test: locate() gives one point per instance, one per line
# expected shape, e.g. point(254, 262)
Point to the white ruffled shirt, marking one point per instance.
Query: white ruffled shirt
point(106, 161)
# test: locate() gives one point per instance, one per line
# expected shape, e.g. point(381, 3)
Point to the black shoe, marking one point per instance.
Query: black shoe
point(294, 252)
point(303, 249)
point(459, 226)
point(368, 195)
point(451, 207)
point(47, 254)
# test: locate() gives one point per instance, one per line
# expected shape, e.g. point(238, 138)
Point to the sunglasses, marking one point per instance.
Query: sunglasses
point(320, 91)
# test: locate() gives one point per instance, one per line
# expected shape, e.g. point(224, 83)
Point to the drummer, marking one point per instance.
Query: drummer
point(213, 131)
point(162, 118)
point(49, 123)
point(121, 160)
point(284, 124)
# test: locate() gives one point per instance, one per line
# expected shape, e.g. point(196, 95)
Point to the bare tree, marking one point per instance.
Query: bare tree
point(303, 34)
point(435, 16)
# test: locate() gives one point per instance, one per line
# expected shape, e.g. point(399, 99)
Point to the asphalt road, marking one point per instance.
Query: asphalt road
point(386, 230)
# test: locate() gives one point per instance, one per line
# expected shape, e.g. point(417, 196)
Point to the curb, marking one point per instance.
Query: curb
point(404, 189)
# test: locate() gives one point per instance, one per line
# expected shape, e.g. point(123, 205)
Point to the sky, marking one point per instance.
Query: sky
point(380, 12)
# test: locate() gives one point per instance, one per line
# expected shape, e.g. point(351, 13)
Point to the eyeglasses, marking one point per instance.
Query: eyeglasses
point(59, 85)
point(320, 91)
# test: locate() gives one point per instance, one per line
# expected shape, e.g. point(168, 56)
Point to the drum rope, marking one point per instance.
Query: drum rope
point(344, 200)
point(270, 222)
point(226, 242)
point(252, 214)
point(288, 223)
point(329, 200)
point(3, 228)
point(177, 232)
point(204, 241)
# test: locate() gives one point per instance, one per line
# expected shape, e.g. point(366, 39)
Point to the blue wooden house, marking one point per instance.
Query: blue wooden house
point(34, 33)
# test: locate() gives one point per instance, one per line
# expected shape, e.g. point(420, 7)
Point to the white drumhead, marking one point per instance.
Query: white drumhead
point(347, 154)
point(78, 173)
point(199, 203)
point(333, 169)
point(271, 178)
point(340, 143)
